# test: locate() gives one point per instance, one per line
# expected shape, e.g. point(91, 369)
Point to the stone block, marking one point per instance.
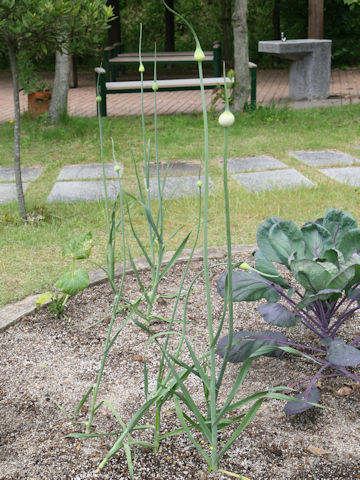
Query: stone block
point(272, 180)
point(324, 158)
point(253, 163)
point(8, 192)
point(87, 191)
point(28, 174)
point(87, 172)
point(177, 187)
point(347, 175)
point(174, 168)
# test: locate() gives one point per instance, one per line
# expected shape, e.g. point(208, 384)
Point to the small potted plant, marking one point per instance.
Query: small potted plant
point(38, 91)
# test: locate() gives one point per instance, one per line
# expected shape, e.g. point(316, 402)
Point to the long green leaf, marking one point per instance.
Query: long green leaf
point(239, 380)
point(199, 368)
point(188, 433)
point(247, 419)
point(83, 400)
point(188, 398)
point(129, 460)
point(174, 257)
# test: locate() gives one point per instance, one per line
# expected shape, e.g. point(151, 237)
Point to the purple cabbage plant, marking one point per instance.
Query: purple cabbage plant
point(324, 258)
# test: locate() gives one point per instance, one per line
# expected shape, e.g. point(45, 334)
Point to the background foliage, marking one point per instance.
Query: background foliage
point(341, 20)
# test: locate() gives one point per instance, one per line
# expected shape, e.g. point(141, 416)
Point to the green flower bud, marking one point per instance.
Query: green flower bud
point(199, 55)
point(141, 68)
point(117, 168)
point(98, 98)
point(199, 183)
point(226, 119)
point(245, 266)
point(155, 86)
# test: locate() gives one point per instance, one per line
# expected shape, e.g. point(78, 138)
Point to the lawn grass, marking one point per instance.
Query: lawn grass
point(31, 254)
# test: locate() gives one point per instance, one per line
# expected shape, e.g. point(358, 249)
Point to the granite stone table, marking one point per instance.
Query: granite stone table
point(310, 66)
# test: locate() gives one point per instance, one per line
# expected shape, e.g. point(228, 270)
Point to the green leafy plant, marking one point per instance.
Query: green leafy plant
point(323, 257)
point(73, 281)
point(30, 80)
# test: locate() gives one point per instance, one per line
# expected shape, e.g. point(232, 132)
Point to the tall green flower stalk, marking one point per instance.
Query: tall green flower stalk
point(112, 227)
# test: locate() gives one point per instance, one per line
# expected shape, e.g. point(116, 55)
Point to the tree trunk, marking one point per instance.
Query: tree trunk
point(58, 105)
point(17, 164)
point(241, 55)
point(169, 28)
point(226, 28)
point(316, 19)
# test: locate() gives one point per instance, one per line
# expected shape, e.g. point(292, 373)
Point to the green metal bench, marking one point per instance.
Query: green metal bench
point(107, 88)
point(116, 59)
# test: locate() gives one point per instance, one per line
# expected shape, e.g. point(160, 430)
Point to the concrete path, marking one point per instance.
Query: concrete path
point(84, 182)
point(272, 87)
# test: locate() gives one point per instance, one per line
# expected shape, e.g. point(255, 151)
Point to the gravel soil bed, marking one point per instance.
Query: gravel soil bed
point(46, 362)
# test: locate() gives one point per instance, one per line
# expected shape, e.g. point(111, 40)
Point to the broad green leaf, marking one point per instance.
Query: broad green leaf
point(245, 344)
point(44, 298)
point(248, 286)
point(277, 314)
point(350, 243)
point(345, 278)
point(293, 407)
point(79, 247)
point(338, 223)
point(330, 267)
point(317, 240)
point(312, 276)
point(285, 239)
point(323, 295)
point(332, 255)
point(342, 355)
point(262, 238)
point(265, 266)
point(72, 283)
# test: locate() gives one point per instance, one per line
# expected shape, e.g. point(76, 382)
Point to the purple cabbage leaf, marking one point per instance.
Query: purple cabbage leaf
point(278, 315)
point(245, 343)
point(293, 407)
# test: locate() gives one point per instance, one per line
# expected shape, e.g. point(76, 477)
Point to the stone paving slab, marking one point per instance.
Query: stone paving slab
point(174, 168)
point(90, 191)
point(87, 172)
point(324, 158)
point(8, 192)
point(28, 174)
point(253, 163)
point(177, 187)
point(272, 180)
point(347, 175)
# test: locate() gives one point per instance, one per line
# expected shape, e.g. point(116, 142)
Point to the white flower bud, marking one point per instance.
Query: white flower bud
point(199, 55)
point(226, 119)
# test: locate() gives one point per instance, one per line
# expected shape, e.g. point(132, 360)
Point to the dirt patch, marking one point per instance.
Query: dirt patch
point(47, 362)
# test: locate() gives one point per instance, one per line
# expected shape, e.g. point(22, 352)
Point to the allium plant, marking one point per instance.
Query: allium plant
point(172, 371)
point(323, 257)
